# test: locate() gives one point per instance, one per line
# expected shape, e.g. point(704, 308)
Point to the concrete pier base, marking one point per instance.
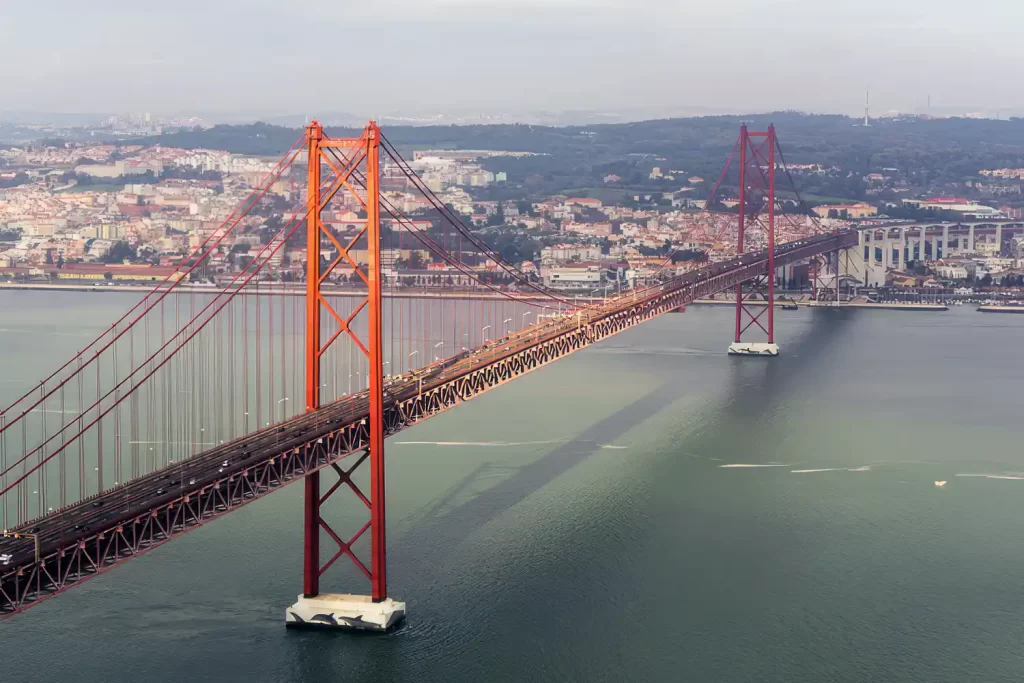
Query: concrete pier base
point(337, 610)
point(753, 349)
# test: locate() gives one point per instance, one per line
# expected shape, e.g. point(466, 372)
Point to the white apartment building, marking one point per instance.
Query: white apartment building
point(583, 276)
point(560, 253)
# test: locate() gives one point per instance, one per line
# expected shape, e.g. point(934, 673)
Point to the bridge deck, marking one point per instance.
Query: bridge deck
point(78, 541)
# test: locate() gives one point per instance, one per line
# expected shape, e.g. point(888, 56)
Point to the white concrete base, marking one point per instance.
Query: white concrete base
point(753, 349)
point(336, 610)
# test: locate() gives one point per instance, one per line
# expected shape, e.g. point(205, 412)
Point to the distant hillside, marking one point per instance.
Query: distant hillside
point(931, 152)
point(805, 138)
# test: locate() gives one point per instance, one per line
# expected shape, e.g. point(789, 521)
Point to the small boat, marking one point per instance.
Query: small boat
point(790, 306)
point(940, 484)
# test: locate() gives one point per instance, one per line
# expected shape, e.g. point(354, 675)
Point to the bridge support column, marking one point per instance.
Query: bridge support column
point(749, 310)
point(376, 611)
point(311, 500)
point(836, 274)
point(999, 240)
point(970, 238)
point(901, 255)
point(869, 238)
point(945, 241)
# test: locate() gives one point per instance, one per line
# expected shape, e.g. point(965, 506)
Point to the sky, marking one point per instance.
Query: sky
point(372, 57)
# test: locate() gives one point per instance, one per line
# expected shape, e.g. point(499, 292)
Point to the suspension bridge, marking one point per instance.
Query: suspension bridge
point(200, 400)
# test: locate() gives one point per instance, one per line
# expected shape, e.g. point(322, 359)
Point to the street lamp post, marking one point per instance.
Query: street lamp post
point(505, 325)
point(282, 409)
point(409, 365)
point(539, 324)
point(440, 343)
point(483, 333)
point(23, 535)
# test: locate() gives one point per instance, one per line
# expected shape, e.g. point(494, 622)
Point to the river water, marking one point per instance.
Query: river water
point(646, 509)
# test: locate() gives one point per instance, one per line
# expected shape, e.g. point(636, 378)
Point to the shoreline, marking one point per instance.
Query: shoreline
point(428, 294)
point(278, 290)
point(832, 304)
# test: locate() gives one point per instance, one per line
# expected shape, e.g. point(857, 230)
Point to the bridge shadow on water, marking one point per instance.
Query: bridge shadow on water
point(751, 393)
point(441, 526)
point(753, 384)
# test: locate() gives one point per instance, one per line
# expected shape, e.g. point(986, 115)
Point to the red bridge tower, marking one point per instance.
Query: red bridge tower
point(355, 163)
point(755, 302)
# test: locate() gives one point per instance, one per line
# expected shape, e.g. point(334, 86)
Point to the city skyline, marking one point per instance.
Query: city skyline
point(645, 58)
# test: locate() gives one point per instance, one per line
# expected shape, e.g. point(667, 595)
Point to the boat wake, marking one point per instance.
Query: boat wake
point(862, 468)
point(654, 351)
point(485, 444)
point(827, 469)
point(1011, 477)
point(751, 465)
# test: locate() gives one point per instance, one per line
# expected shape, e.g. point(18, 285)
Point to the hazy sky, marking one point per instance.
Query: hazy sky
point(387, 56)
